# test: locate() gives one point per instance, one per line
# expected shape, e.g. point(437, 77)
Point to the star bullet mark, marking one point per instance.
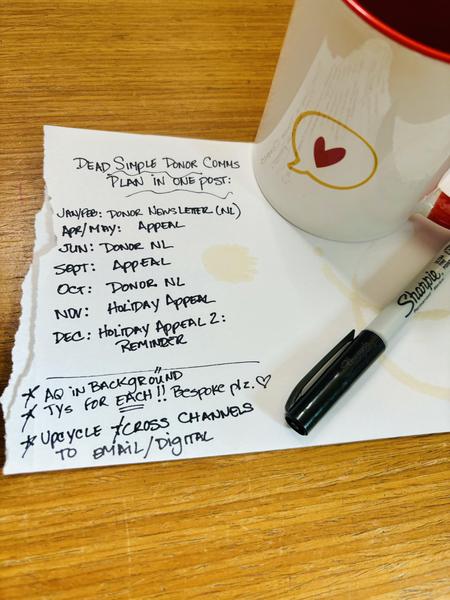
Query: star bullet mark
point(30, 394)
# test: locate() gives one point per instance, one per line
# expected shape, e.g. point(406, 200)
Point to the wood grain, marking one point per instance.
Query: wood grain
point(366, 520)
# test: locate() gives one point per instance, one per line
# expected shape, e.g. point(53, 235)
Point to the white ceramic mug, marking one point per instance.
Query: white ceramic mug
point(356, 127)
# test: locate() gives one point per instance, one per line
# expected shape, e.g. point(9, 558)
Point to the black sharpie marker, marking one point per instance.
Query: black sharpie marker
point(316, 393)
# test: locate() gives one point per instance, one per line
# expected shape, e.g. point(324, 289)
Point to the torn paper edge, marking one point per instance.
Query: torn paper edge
point(45, 241)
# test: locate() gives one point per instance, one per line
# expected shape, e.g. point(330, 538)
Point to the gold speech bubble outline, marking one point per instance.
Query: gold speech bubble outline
point(291, 165)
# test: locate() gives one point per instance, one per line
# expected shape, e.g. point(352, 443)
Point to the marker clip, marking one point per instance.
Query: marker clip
point(326, 362)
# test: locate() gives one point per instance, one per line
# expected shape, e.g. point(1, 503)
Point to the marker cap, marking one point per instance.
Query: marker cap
point(316, 393)
point(436, 205)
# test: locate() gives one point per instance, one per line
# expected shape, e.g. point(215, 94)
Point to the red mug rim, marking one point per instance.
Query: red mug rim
point(384, 28)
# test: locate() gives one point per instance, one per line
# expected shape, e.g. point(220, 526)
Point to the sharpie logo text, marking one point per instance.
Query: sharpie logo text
point(413, 298)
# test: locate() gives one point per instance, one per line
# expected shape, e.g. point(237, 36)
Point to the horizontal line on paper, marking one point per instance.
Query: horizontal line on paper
point(156, 370)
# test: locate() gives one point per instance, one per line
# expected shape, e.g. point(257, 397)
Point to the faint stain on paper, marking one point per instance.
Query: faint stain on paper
point(230, 263)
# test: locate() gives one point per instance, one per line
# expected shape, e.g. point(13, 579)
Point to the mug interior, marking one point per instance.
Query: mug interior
point(374, 20)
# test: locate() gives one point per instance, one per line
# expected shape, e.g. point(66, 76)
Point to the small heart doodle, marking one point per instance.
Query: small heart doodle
point(263, 381)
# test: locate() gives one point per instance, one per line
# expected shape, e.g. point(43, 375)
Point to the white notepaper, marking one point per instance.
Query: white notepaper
point(169, 311)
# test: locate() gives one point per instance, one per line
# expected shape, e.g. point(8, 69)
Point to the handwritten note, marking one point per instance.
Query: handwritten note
point(169, 311)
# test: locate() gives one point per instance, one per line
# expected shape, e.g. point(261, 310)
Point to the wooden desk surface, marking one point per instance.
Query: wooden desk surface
point(366, 520)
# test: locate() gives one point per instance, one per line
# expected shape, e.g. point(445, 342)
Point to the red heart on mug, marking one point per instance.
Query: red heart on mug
point(326, 157)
